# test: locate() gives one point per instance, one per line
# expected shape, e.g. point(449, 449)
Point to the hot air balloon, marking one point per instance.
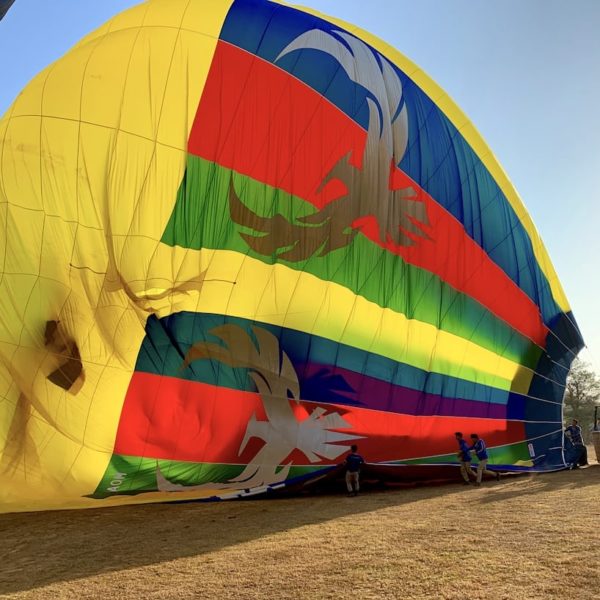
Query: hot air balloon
point(240, 237)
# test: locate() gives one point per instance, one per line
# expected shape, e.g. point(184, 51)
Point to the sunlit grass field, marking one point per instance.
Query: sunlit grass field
point(524, 537)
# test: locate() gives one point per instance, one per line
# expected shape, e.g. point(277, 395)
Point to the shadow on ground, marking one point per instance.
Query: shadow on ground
point(84, 543)
point(535, 483)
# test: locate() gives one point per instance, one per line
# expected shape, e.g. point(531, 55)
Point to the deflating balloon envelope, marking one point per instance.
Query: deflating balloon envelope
point(240, 237)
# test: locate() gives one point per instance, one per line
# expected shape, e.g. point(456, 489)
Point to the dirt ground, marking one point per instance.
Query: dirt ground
point(524, 537)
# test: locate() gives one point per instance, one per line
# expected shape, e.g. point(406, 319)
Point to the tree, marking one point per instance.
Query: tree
point(582, 393)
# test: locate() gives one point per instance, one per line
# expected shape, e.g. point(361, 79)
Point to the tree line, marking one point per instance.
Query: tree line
point(582, 394)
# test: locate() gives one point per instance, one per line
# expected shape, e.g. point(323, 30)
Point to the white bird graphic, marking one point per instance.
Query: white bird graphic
point(277, 383)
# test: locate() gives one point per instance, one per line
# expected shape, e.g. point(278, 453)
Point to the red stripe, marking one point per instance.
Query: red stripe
point(258, 120)
point(176, 419)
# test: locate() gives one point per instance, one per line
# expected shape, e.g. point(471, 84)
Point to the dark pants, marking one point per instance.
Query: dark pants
point(576, 456)
point(583, 459)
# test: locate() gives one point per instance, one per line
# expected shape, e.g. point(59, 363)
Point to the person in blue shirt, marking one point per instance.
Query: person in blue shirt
point(478, 446)
point(464, 455)
point(574, 433)
point(353, 463)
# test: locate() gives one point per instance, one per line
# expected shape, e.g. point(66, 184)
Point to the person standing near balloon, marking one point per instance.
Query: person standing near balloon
point(575, 434)
point(353, 463)
point(478, 446)
point(464, 455)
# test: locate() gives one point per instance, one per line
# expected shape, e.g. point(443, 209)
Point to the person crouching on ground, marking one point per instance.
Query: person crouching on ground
point(464, 455)
point(352, 463)
point(478, 446)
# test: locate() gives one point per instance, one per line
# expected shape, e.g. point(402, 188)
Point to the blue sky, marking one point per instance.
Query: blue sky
point(525, 72)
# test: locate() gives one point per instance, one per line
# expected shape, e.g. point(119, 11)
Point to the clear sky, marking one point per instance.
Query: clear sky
point(527, 73)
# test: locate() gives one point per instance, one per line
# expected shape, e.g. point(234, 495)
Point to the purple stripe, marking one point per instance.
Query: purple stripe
point(368, 392)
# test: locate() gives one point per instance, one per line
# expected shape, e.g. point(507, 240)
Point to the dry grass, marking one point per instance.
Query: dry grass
point(528, 537)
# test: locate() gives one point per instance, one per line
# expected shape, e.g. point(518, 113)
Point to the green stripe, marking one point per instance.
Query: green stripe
point(500, 455)
point(129, 475)
point(201, 219)
point(135, 475)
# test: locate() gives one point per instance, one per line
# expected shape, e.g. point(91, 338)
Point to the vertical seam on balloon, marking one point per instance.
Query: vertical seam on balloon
point(212, 62)
point(37, 276)
point(159, 241)
point(98, 42)
point(153, 157)
point(125, 310)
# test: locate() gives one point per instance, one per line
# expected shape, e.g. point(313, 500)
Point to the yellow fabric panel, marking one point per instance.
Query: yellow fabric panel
point(471, 135)
point(93, 148)
point(171, 131)
point(20, 161)
point(103, 91)
point(142, 118)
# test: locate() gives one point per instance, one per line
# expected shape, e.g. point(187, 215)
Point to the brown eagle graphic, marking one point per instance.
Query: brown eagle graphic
point(400, 213)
